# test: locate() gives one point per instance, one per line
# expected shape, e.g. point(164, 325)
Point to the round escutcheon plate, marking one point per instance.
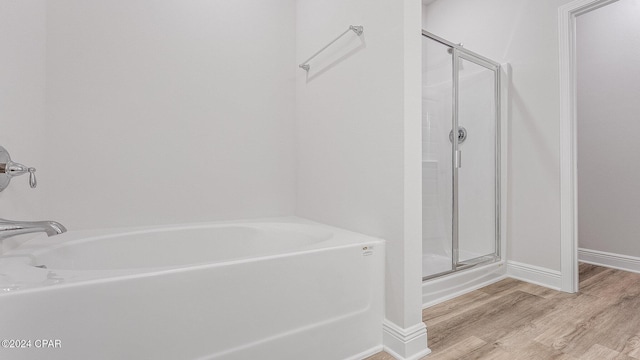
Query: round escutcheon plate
point(4, 159)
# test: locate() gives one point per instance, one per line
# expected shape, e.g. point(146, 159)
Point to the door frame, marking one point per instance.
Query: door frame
point(567, 15)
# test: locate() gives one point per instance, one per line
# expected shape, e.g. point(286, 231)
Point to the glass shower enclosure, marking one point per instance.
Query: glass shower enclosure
point(461, 167)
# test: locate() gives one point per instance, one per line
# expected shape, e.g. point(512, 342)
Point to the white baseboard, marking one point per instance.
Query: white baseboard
point(616, 261)
point(405, 344)
point(534, 274)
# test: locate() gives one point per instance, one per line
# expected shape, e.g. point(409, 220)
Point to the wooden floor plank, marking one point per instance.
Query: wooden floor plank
point(460, 349)
point(381, 356)
point(515, 320)
point(501, 287)
point(507, 312)
point(488, 352)
point(632, 347)
point(571, 321)
point(599, 352)
point(534, 350)
point(454, 307)
point(586, 271)
point(612, 284)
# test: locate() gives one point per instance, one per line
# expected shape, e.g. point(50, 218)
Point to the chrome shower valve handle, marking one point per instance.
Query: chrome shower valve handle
point(32, 177)
point(10, 169)
point(13, 169)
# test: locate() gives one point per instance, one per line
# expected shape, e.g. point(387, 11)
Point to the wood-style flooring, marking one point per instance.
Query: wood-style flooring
point(514, 320)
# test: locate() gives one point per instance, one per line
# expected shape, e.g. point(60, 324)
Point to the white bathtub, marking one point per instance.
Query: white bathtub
point(285, 289)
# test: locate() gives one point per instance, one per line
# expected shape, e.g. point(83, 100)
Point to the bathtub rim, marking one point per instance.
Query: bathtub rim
point(341, 239)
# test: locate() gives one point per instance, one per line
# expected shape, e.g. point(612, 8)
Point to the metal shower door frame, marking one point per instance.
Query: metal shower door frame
point(458, 53)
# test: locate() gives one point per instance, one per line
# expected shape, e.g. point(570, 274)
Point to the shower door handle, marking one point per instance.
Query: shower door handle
point(458, 159)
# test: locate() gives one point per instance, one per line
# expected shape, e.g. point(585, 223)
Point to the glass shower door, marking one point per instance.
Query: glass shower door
point(477, 171)
point(437, 170)
point(460, 169)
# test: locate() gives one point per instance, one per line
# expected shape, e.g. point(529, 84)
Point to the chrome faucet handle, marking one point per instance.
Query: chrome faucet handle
point(10, 169)
point(32, 177)
point(15, 169)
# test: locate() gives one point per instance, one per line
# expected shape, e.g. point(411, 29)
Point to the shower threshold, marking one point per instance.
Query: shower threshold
point(464, 265)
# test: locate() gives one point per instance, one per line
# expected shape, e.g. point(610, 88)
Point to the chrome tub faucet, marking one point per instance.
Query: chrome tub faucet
point(10, 228)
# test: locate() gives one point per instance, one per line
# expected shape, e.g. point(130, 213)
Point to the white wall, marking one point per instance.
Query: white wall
point(350, 148)
point(164, 111)
point(608, 54)
point(523, 33)
point(358, 134)
point(22, 100)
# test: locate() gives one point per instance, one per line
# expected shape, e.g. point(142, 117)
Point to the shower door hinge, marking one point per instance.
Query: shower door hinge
point(458, 159)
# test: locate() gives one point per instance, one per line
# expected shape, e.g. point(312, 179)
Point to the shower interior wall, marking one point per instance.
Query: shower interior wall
point(174, 112)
